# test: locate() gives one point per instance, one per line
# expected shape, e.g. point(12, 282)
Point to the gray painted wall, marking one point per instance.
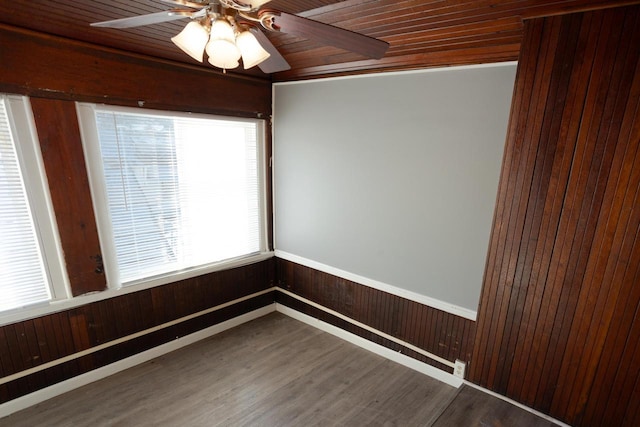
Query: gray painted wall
point(393, 177)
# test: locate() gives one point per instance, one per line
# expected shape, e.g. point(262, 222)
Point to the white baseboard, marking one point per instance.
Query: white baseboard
point(381, 286)
point(39, 396)
point(373, 347)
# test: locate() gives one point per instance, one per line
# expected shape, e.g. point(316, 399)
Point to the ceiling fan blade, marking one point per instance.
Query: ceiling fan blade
point(329, 34)
point(138, 21)
point(276, 62)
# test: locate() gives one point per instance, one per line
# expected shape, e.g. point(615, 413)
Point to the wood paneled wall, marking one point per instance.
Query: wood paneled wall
point(440, 333)
point(55, 72)
point(31, 343)
point(37, 64)
point(559, 319)
point(61, 147)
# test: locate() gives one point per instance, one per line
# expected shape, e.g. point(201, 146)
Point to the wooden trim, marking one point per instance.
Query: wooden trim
point(268, 167)
point(444, 58)
point(63, 158)
point(46, 66)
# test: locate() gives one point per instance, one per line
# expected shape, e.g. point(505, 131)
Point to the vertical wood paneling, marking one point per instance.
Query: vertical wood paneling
point(31, 343)
point(63, 158)
point(558, 323)
point(435, 331)
point(541, 177)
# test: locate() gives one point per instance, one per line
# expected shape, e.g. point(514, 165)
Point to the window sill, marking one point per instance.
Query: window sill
point(30, 312)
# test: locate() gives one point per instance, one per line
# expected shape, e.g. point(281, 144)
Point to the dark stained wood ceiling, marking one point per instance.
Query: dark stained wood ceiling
point(421, 34)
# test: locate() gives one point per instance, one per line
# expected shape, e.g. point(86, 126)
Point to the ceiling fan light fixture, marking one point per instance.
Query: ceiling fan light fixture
point(219, 27)
point(192, 40)
point(221, 49)
point(252, 52)
point(222, 30)
point(223, 54)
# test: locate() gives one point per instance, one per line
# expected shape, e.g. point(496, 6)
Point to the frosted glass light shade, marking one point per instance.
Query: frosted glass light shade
point(252, 52)
point(221, 30)
point(223, 54)
point(222, 50)
point(192, 40)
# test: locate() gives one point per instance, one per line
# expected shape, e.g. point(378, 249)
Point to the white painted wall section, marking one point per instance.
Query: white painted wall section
point(393, 177)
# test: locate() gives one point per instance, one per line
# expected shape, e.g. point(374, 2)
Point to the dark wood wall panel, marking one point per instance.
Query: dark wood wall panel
point(558, 322)
point(37, 64)
point(322, 315)
point(62, 154)
point(113, 354)
point(33, 342)
point(440, 333)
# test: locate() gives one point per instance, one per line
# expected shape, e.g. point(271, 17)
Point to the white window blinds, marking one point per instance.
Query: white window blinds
point(181, 191)
point(23, 278)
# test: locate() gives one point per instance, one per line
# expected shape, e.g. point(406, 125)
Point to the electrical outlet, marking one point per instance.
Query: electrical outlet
point(459, 368)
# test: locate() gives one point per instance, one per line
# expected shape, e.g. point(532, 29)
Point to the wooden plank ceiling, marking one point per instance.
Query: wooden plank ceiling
point(421, 33)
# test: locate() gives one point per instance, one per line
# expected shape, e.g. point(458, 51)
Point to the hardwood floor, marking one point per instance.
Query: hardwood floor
point(273, 371)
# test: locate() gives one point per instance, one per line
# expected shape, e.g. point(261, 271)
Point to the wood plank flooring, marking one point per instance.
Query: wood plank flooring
point(273, 371)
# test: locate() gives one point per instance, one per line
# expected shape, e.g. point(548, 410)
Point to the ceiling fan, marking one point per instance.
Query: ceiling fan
point(230, 30)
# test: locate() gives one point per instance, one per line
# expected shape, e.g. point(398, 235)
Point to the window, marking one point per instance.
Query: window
point(173, 192)
point(31, 270)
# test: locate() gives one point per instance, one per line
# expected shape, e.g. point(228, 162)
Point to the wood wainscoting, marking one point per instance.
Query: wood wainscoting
point(559, 318)
point(28, 344)
point(445, 335)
